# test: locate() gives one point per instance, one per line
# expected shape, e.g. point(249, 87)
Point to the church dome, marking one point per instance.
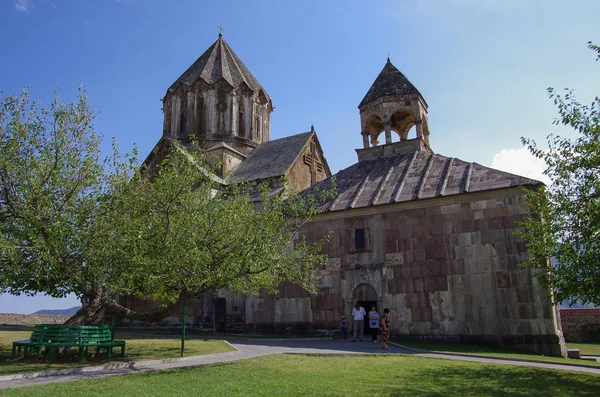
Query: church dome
point(219, 101)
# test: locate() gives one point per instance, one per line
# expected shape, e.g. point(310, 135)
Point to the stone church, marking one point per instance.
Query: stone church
point(426, 235)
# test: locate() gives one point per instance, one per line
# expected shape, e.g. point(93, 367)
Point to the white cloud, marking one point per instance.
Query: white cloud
point(520, 162)
point(22, 5)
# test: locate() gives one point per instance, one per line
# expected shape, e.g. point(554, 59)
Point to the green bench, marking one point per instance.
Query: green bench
point(53, 336)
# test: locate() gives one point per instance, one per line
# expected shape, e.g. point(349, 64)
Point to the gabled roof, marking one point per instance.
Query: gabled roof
point(219, 62)
point(412, 176)
point(390, 81)
point(224, 145)
point(270, 159)
point(166, 143)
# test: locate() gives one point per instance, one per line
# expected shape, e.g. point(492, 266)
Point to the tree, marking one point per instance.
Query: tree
point(565, 217)
point(72, 222)
point(187, 235)
point(51, 178)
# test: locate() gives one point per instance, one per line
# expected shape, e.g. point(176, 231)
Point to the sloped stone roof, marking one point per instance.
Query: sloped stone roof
point(270, 159)
point(390, 81)
point(412, 176)
point(219, 62)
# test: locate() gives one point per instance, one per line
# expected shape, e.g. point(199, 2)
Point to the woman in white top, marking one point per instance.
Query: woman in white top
point(373, 323)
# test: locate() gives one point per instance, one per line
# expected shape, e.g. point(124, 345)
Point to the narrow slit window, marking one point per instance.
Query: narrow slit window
point(359, 239)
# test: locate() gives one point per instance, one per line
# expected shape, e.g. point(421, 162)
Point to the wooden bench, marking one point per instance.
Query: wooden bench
point(53, 336)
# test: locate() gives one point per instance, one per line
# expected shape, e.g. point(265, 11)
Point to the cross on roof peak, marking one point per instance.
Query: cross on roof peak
point(221, 30)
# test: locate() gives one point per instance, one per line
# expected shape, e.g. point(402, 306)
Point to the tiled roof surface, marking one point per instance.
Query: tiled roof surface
point(390, 81)
point(412, 176)
point(219, 61)
point(270, 159)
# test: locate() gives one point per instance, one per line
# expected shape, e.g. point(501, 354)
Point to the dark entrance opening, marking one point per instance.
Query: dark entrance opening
point(220, 314)
point(367, 305)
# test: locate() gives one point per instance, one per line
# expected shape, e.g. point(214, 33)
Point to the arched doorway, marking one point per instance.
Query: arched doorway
point(366, 296)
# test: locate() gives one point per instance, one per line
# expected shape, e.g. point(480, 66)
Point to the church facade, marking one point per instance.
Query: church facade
point(428, 236)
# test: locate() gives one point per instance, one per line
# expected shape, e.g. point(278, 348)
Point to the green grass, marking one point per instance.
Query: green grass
point(586, 348)
point(301, 375)
point(463, 348)
point(138, 348)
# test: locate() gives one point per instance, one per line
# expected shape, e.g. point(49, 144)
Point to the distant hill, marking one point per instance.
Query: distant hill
point(59, 312)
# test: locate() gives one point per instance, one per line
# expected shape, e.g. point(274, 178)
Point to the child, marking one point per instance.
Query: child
point(344, 325)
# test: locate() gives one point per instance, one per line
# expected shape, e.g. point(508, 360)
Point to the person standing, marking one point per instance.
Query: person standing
point(358, 314)
point(384, 328)
point(373, 323)
point(344, 326)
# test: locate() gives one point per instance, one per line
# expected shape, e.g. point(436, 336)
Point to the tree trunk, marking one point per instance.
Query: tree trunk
point(93, 310)
point(98, 305)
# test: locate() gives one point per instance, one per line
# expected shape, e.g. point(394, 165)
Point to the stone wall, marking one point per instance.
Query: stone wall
point(581, 325)
point(446, 268)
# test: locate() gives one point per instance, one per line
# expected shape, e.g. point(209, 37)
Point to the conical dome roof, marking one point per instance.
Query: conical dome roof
point(390, 81)
point(219, 62)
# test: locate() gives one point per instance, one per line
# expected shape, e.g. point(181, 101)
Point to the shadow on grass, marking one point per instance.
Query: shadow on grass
point(494, 380)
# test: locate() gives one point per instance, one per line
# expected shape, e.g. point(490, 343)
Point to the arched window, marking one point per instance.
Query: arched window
point(359, 236)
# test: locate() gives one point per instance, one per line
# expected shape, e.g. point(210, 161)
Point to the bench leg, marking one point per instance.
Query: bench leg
point(25, 351)
point(82, 353)
point(109, 350)
point(123, 351)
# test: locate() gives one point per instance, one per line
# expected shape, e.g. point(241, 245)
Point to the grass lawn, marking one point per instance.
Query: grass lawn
point(498, 351)
point(301, 375)
point(138, 348)
point(586, 348)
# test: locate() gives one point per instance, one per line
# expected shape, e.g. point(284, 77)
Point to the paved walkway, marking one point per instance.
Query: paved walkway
point(255, 348)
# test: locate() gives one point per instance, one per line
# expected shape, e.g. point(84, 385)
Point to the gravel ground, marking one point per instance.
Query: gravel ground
point(22, 319)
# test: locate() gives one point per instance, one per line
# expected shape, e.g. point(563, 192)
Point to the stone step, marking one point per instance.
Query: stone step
point(573, 353)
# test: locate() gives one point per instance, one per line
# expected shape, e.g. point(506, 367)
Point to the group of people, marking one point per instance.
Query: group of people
point(377, 324)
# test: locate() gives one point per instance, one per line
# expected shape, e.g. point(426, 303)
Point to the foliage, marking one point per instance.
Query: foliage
point(187, 235)
point(71, 222)
point(565, 217)
point(51, 178)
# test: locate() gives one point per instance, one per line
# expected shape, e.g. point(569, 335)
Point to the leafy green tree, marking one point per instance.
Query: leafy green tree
point(186, 235)
point(565, 217)
point(72, 222)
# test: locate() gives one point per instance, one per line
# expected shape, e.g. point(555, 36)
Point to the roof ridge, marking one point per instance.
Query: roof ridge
point(424, 176)
point(449, 164)
point(384, 180)
point(225, 72)
point(229, 52)
point(396, 194)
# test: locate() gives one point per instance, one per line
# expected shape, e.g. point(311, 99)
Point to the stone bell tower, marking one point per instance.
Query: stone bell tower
point(392, 104)
point(218, 101)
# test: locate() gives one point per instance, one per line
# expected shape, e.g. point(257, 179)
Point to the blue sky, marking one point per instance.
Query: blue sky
point(483, 66)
